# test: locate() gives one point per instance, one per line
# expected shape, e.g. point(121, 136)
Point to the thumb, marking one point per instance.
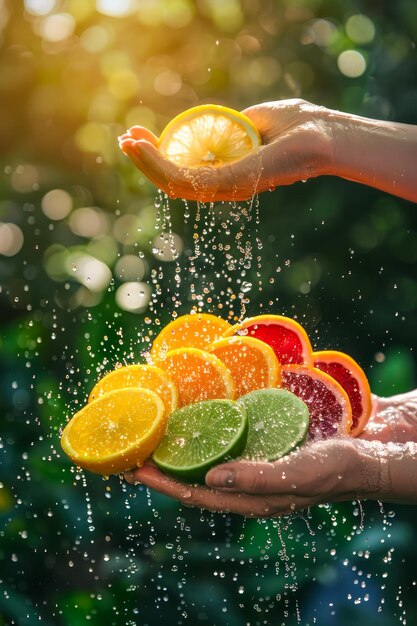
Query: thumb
point(248, 477)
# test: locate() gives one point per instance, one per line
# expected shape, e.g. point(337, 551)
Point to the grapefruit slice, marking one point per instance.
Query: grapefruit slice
point(196, 330)
point(208, 135)
point(198, 375)
point(116, 432)
point(252, 363)
point(327, 401)
point(287, 338)
point(352, 378)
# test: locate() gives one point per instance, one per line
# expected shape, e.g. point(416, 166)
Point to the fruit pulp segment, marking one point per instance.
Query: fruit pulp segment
point(210, 139)
point(251, 362)
point(349, 383)
point(326, 410)
point(284, 341)
point(198, 375)
point(188, 331)
point(200, 434)
point(113, 423)
point(278, 421)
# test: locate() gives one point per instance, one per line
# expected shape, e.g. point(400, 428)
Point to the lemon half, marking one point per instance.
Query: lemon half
point(208, 135)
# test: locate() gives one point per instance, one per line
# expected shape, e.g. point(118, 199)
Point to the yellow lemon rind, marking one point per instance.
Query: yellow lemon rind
point(133, 455)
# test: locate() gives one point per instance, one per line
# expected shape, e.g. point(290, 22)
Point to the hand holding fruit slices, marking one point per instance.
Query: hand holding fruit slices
point(216, 391)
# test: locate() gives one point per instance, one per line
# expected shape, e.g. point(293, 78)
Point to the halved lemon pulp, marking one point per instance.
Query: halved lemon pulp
point(208, 135)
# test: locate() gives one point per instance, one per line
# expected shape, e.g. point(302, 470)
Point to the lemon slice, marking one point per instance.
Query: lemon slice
point(116, 432)
point(209, 134)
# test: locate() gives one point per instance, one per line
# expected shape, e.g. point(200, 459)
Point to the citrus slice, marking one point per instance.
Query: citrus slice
point(201, 435)
point(197, 330)
point(198, 375)
point(209, 134)
point(147, 376)
point(327, 401)
point(287, 338)
point(352, 378)
point(116, 432)
point(278, 422)
point(252, 363)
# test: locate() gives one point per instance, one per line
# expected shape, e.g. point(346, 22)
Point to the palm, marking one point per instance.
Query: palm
point(292, 140)
point(394, 419)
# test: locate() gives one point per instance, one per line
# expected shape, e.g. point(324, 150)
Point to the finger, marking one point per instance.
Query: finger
point(174, 180)
point(140, 132)
point(321, 468)
point(249, 477)
point(203, 498)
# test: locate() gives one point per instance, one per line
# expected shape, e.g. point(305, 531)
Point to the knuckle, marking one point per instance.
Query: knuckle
point(257, 481)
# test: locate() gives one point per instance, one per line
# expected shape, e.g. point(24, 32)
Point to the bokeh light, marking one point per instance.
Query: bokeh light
point(92, 273)
point(351, 63)
point(130, 268)
point(25, 178)
point(40, 7)
point(167, 246)
point(133, 296)
point(57, 27)
point(11, 239)
point(116, 8)
point(89, 222)
point(56, 204)
point(360, 29)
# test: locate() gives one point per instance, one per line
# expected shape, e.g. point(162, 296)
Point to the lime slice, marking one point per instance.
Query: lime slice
point(278, 421)
point(201, 435)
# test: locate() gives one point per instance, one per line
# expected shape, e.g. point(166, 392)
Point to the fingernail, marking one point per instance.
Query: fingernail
point(222, 478)
point(130, 478)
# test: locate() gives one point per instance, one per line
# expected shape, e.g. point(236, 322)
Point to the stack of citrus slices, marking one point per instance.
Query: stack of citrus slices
point(216, 391)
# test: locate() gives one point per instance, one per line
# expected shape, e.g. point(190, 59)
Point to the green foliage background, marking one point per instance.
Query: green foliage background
point(77, 550)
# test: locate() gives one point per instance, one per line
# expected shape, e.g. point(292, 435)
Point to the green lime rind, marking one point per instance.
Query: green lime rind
point(278, 422)
point(201, 435)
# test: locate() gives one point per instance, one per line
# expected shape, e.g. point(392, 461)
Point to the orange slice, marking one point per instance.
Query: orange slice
point(198, 375)
point(327, 401)
point(252, 363)
point(209, 134)
point(287, 338)
point(352, 378)
point(196, 330)
point(147, 376)
point(115, 432)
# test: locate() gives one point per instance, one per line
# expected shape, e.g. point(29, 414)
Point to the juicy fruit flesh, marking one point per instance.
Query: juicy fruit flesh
point(252, 363)
point(326, 410)
point(284, 341)
point(147, 376)
point(200, 435)
point(209, 135)
point(188, 331)
point(198, 375)
point(115, 432)
point(278, 421)
point(349, 384)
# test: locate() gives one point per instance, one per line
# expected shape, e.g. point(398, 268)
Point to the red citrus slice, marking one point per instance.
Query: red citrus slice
point(353, 380)
point(327, 401)
point(286, 337)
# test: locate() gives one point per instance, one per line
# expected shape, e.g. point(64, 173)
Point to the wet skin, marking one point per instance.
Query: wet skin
point(377, 465)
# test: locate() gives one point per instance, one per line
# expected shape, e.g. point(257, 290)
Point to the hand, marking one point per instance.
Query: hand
point(295, 146)
point(324, 471)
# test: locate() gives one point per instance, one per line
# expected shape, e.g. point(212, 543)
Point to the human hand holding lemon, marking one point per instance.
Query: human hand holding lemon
point(227, 155)
point(211, 153)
